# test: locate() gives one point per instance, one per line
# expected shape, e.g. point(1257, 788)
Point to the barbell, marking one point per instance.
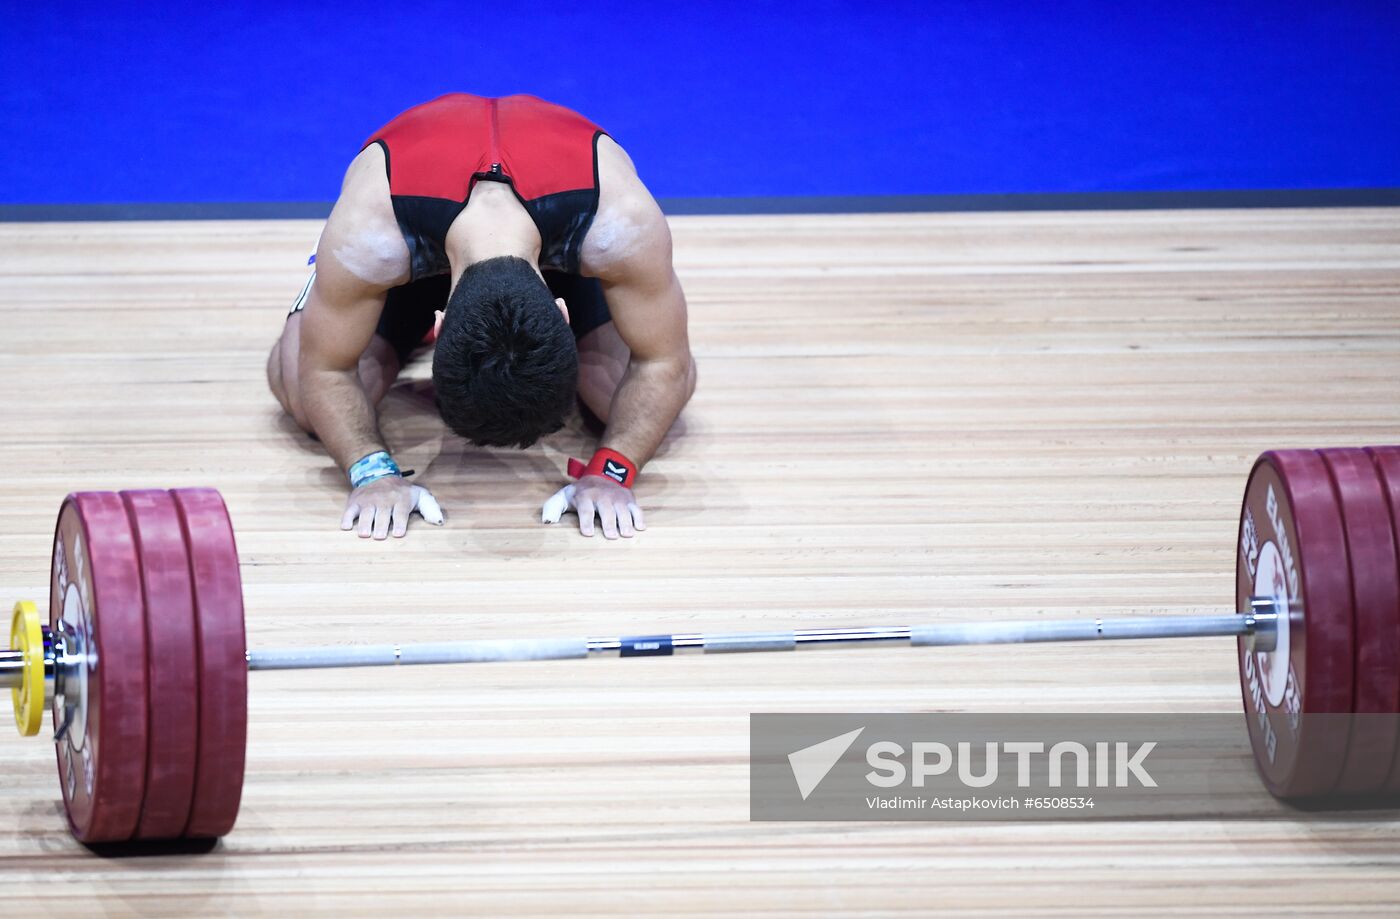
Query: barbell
point(144, 664)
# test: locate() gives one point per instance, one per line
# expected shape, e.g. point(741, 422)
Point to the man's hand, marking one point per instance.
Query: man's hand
point(387, 502)
point(600, 496)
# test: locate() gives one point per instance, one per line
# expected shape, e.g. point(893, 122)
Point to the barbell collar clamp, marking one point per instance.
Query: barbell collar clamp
point(12, 665)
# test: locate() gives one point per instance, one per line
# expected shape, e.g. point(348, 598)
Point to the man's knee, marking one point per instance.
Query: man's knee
point(690, 381)
point(277, 381)
point(378, 368)
point(274, 374)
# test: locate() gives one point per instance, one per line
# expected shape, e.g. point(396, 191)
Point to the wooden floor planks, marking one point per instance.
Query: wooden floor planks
point(900, 418)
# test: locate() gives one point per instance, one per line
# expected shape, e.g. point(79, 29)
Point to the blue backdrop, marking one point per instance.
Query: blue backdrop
point(158, 102)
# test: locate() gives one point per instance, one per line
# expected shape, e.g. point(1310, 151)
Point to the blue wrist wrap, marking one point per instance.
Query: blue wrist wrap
point(375, 466)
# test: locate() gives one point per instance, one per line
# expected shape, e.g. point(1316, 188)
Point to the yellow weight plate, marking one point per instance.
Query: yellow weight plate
point(27, 637)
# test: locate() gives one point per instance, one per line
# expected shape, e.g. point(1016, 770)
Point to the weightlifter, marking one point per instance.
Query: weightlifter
point(519, 233)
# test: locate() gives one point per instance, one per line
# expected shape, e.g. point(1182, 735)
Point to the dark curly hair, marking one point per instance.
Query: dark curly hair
point(506, 366)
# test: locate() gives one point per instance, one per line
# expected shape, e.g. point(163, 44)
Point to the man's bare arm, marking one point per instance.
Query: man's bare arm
point(354, 270)
point(338, 324)
point(630, 253)
point(650, 313)
point(340, 318)
point(360, 256)
point(648, 309)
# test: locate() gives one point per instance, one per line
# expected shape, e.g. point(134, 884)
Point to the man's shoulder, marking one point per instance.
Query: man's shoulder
point(362, 234)
point(629, 232)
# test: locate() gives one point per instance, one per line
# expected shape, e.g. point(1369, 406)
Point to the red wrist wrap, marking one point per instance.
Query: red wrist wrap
point(607, 463)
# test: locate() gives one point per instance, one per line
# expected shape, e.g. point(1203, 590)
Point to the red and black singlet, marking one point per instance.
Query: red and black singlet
point(435, 153)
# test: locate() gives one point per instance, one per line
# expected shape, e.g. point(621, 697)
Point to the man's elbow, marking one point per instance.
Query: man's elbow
point(669, 374)
point(681, 371)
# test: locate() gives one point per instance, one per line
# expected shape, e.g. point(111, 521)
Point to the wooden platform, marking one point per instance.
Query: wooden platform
point(900, 418)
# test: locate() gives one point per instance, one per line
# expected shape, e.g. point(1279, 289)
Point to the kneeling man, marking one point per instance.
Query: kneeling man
point(519, 232)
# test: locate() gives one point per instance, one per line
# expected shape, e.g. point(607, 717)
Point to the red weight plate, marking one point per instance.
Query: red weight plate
point(1375, 591)
point(223, 663)
point(99, 705)
point(172, 664)
point(1293, 547)
point(1387, 463)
